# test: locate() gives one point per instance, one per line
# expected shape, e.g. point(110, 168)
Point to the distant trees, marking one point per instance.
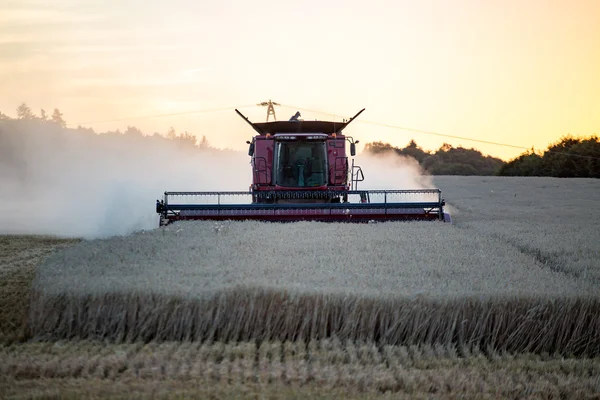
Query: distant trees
point(57, 118)
point(187, 138)
point(567, 158)
point(447, 160)
point(133, 131)
point(527, 164)
point(414, 151)
point(25, 114)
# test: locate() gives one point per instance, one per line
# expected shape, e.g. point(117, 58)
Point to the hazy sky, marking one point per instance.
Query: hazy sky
point(522, 72)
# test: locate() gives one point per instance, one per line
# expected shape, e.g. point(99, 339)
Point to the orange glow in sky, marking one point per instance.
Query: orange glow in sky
point(510, 71)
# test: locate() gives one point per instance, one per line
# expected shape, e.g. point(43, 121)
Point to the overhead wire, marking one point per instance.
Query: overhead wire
point(386, 125)
point(418, 130)
point(191, 112)
point(403, 128)
point(476, 140)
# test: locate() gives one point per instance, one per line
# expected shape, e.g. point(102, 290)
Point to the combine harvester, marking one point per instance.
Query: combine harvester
point(300, 172)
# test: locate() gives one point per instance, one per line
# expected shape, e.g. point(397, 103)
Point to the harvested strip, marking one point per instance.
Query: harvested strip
point(313, 370)
point(19, 256)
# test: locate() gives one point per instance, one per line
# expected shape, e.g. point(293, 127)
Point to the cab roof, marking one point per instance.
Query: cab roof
point(326, 127)
point(298, 126)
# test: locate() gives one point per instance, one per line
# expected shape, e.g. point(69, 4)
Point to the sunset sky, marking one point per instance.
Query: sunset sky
point(522, 72)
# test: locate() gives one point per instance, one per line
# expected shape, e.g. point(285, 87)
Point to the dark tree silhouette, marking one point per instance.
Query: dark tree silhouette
point(28, 126)
point(567, 158)
point(447, 160)
point(57, 118)
point(24, 112)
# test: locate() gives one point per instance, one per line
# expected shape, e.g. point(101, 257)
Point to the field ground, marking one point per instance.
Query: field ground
point(551, 220)
point(545, 227)
point(19, 258)
point(322, 369)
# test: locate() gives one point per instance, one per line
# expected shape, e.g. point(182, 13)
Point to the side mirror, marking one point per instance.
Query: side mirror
point(352, 149)
point(250, 149)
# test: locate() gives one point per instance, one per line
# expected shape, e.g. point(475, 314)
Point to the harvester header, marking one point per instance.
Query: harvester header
point(301, 171)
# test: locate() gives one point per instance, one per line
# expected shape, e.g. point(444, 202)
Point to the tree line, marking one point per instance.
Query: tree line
point(569, 157)
point(56, 121)
point(447, 160)
point(24, 112)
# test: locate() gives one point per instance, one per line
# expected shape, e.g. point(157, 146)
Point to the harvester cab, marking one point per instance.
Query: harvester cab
point(302, 160)
point(301, 171)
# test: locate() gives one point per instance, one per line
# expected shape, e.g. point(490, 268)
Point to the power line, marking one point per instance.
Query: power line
point(403, 128)
point(336, 115)
point(478, 140)
point(163, 115)
point(309, 110)
point(270, 108)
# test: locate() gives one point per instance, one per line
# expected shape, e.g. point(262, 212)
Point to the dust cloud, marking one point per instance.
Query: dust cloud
point(392, 172)
point(76, 183)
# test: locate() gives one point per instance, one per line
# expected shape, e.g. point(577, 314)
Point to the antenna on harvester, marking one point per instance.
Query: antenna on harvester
point(270, 108)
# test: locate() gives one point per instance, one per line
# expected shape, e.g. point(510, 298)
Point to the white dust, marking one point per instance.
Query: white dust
point(75, 183)
point(391, 172)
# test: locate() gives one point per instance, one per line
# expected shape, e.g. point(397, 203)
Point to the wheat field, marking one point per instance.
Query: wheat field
point(258, 281)
point(317, 369)
point(508, 293)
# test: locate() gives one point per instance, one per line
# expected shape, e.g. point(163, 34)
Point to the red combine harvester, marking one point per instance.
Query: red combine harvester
point(300, 172)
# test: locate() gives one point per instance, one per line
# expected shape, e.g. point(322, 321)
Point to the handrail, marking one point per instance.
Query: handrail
point(257, 171)
point(362, 204)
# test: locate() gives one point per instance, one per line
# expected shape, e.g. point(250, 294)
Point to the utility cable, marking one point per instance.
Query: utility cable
point(209, 110)
point(403, 128)
point(475, 140)
point(385, 125)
